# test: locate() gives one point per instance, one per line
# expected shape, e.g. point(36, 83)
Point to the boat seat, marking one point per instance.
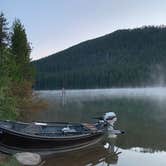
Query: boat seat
point(32, 129)
point(90, 127)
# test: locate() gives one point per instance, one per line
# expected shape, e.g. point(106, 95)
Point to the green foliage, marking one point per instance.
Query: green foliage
point(24, 75)
point(21, 50)
point(7, 104)
point(3, 31)
point(12, 162)
point(124, 58)
point(16, 72)
point(7, 101)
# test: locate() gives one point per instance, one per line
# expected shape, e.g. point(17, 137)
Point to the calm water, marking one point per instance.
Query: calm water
point(141, 113)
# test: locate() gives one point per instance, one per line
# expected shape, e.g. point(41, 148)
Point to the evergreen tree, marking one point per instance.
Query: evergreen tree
point(133, 57)
point(16, 71)
point(7, 101)
point(3, 50)
point(3, 31)
point(20, 48)
point(3, 42)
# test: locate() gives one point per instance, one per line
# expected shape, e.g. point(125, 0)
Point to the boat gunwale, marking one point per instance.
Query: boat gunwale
point(57, 138)
point(48, 123)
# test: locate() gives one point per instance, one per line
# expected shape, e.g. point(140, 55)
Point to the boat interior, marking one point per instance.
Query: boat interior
point(46, 129)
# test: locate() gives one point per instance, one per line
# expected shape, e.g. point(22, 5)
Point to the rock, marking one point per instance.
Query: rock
point(28, 158)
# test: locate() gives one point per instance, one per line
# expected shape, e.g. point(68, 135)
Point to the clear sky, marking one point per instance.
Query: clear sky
point(53, 25)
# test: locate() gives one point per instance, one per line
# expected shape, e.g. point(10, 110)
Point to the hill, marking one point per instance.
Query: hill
point(124, 58)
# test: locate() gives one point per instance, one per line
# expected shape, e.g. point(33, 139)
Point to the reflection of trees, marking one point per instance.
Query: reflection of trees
point(100, 154)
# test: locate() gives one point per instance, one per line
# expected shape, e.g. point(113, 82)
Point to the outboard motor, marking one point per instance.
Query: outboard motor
point(110, 118)
point(108, 121)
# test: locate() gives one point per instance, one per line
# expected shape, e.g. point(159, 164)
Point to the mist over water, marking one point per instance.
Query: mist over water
point(141, 114)
point(93, 94)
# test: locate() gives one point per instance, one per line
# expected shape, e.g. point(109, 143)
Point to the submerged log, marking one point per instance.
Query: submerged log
point(28, 158)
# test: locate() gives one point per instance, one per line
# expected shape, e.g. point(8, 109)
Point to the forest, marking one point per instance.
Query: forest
point(124, 58)
point(16, 70)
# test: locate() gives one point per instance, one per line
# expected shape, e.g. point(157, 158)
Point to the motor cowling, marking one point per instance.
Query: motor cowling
point(110, 118)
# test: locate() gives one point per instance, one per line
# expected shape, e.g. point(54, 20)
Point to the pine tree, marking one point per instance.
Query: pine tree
point(3, 50)
point(3, 31)
point(7, 101)
point(3, 42)
point(20, 48)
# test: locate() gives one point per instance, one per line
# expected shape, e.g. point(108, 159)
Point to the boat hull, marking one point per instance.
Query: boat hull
point(20, 142)
point(49, 151)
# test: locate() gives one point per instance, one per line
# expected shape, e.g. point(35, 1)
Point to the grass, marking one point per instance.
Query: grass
point(10, 162)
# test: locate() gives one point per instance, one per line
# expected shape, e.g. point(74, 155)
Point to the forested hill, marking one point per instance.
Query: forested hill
point(124, 58)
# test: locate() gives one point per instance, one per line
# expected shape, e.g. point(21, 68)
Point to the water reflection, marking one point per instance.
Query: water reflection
point(102, 154)
point(141, 114)
point(143, 120)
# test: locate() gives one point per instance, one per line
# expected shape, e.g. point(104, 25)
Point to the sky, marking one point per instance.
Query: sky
point(54, 25)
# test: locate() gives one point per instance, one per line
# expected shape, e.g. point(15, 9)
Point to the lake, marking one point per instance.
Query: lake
point(141, 114)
